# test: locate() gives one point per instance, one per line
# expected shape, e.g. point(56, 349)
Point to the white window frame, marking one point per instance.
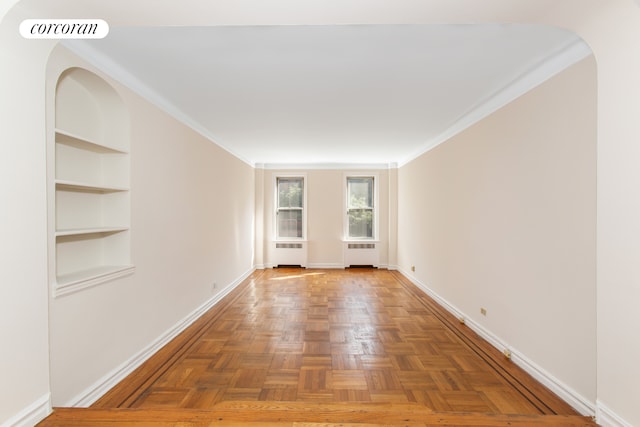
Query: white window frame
point(304, 208)
point(345, 206)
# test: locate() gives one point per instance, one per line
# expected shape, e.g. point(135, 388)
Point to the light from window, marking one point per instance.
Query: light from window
point(360, 207)
point(290, 207)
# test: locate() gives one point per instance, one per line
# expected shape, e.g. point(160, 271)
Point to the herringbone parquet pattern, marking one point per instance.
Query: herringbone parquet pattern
point(330, 336)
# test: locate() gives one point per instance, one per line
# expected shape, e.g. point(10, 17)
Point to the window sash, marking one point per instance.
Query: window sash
point(360, 192)
point(290, 207)
point(360, 207)
point(290, 192)
point(289, 223)
point(360, 223)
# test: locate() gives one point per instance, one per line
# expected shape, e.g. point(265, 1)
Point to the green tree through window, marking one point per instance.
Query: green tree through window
point(360, 207)
point(290, 207)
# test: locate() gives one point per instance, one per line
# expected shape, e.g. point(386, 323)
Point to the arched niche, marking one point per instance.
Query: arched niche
point(89, 107)
point(91, 207)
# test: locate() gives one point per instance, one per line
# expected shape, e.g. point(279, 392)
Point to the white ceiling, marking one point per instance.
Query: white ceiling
point(331, 94)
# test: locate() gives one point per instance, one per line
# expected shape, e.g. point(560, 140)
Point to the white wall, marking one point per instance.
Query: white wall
point(502, 216)
point(325, 214)
point(611, 28)
point(192, 215)
point(259, 239)
point(24, 366)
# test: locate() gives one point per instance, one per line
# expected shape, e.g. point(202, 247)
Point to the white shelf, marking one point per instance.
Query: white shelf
point(63, 184)
point(78, 280)
point(73, 140)
point(92, 230)
point(90, 179)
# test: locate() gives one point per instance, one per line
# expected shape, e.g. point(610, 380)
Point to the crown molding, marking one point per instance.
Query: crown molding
point(326, 166)
point(553, 64)
point(118, 73)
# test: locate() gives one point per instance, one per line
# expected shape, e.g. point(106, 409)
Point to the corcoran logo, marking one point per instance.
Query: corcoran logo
point(64, 28)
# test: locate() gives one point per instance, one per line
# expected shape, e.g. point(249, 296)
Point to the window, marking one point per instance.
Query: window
point(290, 207)
point(360, 207)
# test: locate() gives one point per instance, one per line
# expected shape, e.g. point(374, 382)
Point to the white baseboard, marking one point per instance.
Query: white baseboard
point(607, 418)
point(104, 384)
point(566, 393)
point(32, 414)
point(326, 266)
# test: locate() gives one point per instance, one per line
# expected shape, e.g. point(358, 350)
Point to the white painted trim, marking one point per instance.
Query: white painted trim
point(361, 173)
point(607, 418)
point(118, 73)
point(326, 266)
point(32, 414)
point(274, 223)
point(104, 384)
point(568, 394)
point(553, 64)
point(326, 166)
point(110, 275)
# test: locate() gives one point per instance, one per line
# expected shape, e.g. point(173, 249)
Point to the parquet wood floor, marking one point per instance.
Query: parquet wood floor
point(360, 337)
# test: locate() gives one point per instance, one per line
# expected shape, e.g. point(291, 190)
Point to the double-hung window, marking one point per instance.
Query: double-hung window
point(290, 207)
point(360, 207)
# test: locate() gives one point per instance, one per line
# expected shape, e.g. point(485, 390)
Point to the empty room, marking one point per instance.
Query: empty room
point(320, 213)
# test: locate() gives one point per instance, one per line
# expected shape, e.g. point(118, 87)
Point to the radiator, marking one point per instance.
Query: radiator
point(356, 253)
point(290, 253)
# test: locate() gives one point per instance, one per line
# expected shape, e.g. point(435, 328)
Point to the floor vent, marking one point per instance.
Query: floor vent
point(288, 266)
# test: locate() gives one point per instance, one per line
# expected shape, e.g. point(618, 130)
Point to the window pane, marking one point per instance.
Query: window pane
point(360, 192)
point(289, 223)
point(290, 192)
point(360, 207)
point(360, 223)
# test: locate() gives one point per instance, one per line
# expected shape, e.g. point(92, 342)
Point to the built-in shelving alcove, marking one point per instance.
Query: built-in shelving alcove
point(92, 200)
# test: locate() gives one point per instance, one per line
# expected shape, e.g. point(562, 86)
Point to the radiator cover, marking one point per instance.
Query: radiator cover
point(289, 253)
point(361, 253)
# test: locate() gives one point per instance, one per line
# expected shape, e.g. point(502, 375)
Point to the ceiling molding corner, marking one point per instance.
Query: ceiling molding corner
point(325, 166)
point(551, 65)
point(114, 70)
